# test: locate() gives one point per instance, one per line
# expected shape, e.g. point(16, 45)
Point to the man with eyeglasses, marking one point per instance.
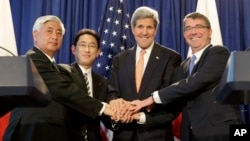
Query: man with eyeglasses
point(86, 48)
point(204, 119)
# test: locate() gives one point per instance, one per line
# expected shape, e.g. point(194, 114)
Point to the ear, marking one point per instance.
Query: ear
point(98, 52)
point(211, 31)
point(73, 49)
point(34, 34)
point(133, 28)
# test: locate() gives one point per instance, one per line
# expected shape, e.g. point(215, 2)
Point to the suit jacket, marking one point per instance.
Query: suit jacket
point(81, 123)
point(52, 122)
point(158, 74)
point(207, 119)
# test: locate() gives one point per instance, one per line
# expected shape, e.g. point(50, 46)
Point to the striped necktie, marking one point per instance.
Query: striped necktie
point(87, 83)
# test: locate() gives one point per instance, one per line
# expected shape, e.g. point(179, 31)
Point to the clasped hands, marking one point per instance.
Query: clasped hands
point(126, 111)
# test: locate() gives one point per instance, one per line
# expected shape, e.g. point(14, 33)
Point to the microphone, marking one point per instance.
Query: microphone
point(6, 50)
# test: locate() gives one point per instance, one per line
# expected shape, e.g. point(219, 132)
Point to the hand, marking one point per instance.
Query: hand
point(117, 104)
point(108, 111)
point(126, 115)
point(139, 104)
point(136, 116)
point(122, 109)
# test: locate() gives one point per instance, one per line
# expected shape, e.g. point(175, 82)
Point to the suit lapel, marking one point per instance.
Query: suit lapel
point(43, 57)
point(186, 67)
point(97, 87)
point(154, 60)
point(79, 80)
point(201, 59)
point(78, 76)
point(130, 64)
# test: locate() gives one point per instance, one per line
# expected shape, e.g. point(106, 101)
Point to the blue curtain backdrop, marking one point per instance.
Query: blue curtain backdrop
point(234, 17)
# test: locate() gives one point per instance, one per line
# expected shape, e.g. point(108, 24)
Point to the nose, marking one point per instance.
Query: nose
point(54, 35)
point(144, 31)
point(193, 31)
point(87, 48)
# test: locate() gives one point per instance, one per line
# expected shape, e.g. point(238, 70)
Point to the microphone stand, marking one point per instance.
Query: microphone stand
point(7, 51)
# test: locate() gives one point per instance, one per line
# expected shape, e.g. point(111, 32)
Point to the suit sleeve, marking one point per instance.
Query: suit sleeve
point(162, 114)
point(208, 75)
point(63, 89)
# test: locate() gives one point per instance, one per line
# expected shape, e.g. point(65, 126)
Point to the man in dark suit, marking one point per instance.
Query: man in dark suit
point(159, 65)
point(86, 48)
point(53, 122)
point(204, 119)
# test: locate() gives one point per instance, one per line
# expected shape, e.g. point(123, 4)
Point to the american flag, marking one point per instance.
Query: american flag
point(115, 34)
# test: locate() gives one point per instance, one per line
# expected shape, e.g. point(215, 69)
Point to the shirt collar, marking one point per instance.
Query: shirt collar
point(148, 50)
point(51, 59)
point(88, 71)
point(199, 53)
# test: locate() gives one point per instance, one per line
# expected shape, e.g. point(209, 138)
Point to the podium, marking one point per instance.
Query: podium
point(21, 84)
point(235, 83)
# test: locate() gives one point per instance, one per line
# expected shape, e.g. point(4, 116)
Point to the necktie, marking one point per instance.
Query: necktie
point(55, 66)
point(139, 70)
point(87, 83)
point(85, 132)
point(191, 64)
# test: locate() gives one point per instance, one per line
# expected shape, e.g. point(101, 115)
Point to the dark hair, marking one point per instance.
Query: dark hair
point(89, 32)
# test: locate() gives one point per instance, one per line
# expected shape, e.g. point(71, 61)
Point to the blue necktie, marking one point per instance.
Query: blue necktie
point(191, 64)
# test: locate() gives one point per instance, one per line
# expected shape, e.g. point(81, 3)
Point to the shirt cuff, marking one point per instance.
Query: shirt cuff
point(142, 118)
point(103, 107)
point(156, 97)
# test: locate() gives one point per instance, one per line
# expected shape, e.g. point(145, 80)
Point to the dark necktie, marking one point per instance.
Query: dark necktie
point(55, 66)
point(87, 83)
point(191, 64)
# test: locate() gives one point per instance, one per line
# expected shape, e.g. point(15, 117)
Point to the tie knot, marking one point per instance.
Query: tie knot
point(142, 52)
point(193, 58)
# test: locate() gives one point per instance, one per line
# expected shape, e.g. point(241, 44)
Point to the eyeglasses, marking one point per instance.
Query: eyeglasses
point(198, 27)
point(85, 46)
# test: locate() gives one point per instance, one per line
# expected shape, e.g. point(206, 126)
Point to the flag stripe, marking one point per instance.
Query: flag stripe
point(115, 35)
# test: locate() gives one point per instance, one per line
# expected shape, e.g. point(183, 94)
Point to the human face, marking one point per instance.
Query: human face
point(196, 34)
point(86, 50)
point(144, 32)
point(49, 37)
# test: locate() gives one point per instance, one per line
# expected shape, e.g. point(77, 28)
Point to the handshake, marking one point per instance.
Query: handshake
point(124, 111)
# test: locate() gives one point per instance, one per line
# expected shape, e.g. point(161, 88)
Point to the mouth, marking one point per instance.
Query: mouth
point(54, 43)
point(195, 38)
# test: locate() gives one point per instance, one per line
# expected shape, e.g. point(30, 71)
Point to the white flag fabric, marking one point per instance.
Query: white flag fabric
point(7, 36)
point(209, 9)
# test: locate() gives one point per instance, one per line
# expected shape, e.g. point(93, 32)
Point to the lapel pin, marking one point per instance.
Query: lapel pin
point(157, 57)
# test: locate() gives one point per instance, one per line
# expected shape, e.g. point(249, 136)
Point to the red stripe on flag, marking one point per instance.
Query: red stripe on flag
point(4, 121)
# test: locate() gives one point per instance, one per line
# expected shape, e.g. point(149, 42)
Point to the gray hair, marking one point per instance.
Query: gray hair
point(145, 12)
point(41, 20)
